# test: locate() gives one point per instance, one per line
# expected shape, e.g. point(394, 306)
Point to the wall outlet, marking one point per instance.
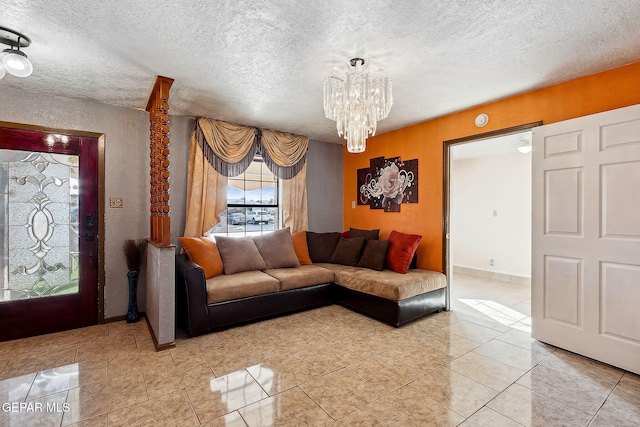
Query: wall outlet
point(495, 213)
point(115, 202)
point(491, 262)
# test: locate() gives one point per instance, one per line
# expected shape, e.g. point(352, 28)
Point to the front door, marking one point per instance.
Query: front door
point(48, 232)
point(586, 236)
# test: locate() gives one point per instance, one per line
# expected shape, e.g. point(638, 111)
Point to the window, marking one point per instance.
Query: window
point(252, 203)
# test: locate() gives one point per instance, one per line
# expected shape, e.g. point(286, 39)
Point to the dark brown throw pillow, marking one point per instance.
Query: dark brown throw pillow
point(239, 254)
point(348, 251)
point(374, 254)
point(365, 234)
point(322, 245)
point(277, 249)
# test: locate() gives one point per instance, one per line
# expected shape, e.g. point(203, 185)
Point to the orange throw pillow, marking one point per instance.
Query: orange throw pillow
point(205, 253)
point(401, 249)
point(301, 248)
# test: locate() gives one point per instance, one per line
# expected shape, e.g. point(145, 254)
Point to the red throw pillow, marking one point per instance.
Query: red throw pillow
point(345, 234)
point(401, 249)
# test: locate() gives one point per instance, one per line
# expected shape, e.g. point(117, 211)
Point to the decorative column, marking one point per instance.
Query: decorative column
point(160, 308)
point(158, 108)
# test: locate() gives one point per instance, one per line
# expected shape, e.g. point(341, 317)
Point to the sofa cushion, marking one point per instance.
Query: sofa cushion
point(300, 246)
point(386, 283)
point(374, 254)
point(205, 253)
point(365, 234)
point(348, 251)
point(276, 249)
point(239, 254)
point(301, 277)
point(240, 285)
point(322, 245)
point(401, 249)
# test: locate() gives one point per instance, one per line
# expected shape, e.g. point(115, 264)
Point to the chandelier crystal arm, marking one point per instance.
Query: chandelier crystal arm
point(357, 100)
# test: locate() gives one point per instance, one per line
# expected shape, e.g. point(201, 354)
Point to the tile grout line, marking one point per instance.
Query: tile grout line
point(192, 407)
point(319, 406)
point(605, 401)
point(498, 412)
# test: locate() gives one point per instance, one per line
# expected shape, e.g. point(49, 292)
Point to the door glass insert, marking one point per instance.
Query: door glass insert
point(39, 250)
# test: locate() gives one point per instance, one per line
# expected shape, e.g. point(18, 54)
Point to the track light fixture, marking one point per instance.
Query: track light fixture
point(13, 60)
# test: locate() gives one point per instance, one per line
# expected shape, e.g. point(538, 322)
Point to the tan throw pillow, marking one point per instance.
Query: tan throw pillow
point(277, 249)
point(239, 254)
point(205, 253)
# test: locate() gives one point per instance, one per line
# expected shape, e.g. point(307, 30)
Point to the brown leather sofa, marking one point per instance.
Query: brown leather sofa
point(393, 299)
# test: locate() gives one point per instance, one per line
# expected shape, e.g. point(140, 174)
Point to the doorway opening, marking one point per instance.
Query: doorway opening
point(487, 214)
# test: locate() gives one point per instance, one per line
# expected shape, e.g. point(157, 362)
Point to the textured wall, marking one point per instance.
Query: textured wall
point(126, 169)
point(161, 301)
point(580, 97)
point(127, 175)
point(180, 138)
point(324, 182)
point(324, 186)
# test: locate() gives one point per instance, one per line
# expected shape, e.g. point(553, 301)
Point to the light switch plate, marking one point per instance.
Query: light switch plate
point(115, 202)
point(353, 204)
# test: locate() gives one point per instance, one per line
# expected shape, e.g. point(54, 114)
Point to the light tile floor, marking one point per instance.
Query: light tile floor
point(473, 366)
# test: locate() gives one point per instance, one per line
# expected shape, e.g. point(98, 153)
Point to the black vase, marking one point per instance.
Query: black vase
point(132, 314)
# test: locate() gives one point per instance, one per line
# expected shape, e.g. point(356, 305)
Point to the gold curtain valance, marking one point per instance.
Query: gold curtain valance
point(229, 148)
point(284, 153)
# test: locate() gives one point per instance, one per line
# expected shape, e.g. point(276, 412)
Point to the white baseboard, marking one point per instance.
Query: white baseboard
point(521, 280)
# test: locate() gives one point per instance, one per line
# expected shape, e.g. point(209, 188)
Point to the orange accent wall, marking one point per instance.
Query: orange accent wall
point(592, 94)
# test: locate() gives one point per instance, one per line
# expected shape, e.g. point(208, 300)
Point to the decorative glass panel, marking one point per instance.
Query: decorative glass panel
point(38, 224)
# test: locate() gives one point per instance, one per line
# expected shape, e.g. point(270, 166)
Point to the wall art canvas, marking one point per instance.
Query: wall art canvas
point(388, 183)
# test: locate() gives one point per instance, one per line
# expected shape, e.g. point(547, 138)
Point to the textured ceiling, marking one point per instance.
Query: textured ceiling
point(262, 63)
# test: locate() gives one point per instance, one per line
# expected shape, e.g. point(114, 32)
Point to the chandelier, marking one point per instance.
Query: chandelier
point(13, 60)
point(356, 100)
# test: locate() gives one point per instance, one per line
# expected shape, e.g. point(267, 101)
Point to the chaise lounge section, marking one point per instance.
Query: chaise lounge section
point(389, 296)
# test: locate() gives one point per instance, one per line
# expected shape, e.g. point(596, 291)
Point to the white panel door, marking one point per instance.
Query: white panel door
point(586, 236)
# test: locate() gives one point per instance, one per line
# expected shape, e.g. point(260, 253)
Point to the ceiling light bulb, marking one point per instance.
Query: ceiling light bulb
point(17, 63)
point(524, 149)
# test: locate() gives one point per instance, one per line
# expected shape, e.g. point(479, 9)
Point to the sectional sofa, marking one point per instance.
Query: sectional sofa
point(236, 281)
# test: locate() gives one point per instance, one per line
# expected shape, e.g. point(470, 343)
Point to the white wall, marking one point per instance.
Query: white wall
point(480, 186)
